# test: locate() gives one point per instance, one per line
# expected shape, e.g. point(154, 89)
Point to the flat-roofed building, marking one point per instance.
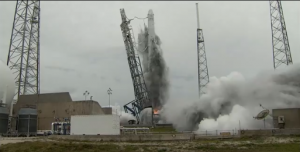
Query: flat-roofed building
point(286, 118)
point(53, 107)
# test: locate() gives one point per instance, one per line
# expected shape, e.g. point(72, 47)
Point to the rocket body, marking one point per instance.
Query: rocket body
point(151, 32)
point(155, 71)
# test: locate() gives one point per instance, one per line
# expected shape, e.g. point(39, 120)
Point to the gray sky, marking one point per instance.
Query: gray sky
point(82, 46)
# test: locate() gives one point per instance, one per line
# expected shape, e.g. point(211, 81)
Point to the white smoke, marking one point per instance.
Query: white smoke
point(7, 84)
point(154, 68)
point(146, 116)
point(124, 117)
point(239, 117)
point(233, 98)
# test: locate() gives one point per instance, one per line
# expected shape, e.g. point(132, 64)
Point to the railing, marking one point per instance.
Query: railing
point(208, 133)
point(217, 132)
point(134, 130)
point(213, 133)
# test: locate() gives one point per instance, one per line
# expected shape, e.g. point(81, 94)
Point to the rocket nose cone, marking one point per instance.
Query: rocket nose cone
point(150, 11)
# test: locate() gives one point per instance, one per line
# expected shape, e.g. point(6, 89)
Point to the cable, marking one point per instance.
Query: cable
point(136, 18)
point(140, 18)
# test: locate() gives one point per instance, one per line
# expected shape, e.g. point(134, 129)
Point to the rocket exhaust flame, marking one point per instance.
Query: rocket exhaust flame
point(155, 111)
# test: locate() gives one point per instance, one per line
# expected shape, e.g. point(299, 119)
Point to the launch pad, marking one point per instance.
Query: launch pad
point(27, 14)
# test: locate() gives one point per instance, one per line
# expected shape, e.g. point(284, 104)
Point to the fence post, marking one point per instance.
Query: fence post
point(205, 132)
point(216, 132)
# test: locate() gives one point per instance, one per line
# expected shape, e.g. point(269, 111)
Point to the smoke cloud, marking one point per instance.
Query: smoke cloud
point(124, 117)
point(239, 117)
point(154, 68)
point(233, 99)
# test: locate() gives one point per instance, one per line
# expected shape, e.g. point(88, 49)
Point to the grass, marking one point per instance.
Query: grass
point(58, 147)
point(290, 147)
point(86, 147)
point(242, 145)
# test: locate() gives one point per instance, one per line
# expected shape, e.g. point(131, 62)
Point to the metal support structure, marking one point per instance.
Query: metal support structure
point(10, 130)
point(139, 85)
point(85, 94)
point(203, 76)
point(109, 92)
point(24, 50)
point(133, 108)
point(281, 48)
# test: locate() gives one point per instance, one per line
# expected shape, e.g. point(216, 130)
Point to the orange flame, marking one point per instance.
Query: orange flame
point(155, 111)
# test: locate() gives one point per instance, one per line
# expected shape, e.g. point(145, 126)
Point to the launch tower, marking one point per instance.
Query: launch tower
point(139, 85)
point(203, 76)
point(24, 50)
point(281, 48)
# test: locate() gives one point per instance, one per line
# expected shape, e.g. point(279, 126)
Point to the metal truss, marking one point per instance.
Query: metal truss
point(203, 76)
point(281, 48)
point(24, 50)
point(139, 85)
point(134, 108)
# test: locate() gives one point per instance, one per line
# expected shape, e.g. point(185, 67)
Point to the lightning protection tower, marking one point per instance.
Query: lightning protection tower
point(24, 50)
point(139, 85)
point(281, 48)
point(203, 76)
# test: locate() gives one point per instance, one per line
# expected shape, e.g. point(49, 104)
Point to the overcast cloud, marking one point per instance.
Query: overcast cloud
point(82, 46)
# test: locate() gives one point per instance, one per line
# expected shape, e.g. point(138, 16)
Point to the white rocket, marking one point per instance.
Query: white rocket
point(151, 32)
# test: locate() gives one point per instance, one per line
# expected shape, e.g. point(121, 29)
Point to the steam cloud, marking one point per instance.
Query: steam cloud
point(233, 98)
point(154, 68)
point(124, 117)
point(230, 102)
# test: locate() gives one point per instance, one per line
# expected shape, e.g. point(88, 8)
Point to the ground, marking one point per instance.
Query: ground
point(261, 144)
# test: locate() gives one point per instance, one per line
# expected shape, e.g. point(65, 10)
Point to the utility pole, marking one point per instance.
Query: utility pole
point(85, 94)
point(91, 99)
point(280, 42)
point(203, 76)
point(109, 92)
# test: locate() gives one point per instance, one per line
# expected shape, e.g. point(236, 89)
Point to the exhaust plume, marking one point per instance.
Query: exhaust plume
point(124, 117)
point(232, 99)
point(154, 68)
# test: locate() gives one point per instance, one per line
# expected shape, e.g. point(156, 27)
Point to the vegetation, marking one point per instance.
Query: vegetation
point(57, 147)
point(270, 144)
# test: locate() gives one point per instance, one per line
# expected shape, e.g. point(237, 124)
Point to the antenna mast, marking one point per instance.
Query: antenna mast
point(280, 42)
point(203, 76)
point(24, 50)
